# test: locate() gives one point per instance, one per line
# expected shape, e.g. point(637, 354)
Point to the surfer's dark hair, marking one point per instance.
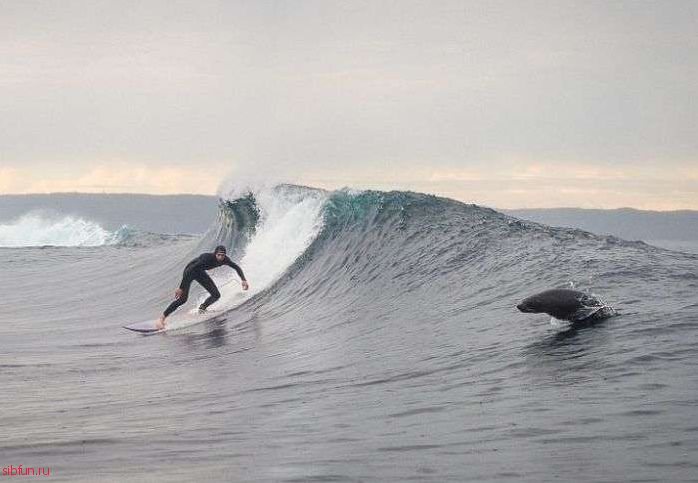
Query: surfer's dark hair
point(220, 249)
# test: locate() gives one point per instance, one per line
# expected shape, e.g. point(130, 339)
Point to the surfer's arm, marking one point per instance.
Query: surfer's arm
point(235, 267)
point(191, 270)
point(187, 277)
point(185, 281)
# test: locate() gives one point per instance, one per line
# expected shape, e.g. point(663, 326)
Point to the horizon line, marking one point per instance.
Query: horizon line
point(126, 193)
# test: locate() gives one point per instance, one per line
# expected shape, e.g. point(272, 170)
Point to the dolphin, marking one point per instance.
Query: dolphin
point(566, 304)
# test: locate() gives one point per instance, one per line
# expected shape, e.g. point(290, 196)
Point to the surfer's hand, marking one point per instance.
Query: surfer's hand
point(178, 293)
point(245, 285)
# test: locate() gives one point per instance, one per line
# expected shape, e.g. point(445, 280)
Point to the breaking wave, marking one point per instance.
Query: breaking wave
point(31, 230)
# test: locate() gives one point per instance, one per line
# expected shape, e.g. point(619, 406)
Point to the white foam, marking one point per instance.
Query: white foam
point(290, 219)
point(33, 229)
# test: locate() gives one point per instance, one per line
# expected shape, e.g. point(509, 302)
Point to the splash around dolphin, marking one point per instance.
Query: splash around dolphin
point(567, 304)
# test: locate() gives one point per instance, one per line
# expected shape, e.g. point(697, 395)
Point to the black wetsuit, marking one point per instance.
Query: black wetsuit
point(196, 270)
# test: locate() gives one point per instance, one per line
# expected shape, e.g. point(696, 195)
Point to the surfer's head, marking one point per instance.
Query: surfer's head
point(219, 252)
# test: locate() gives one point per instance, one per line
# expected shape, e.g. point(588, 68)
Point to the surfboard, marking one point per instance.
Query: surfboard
point(146, 327)
point(176, 321)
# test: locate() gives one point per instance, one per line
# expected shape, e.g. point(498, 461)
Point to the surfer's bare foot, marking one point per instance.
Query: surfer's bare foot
point(160, 324)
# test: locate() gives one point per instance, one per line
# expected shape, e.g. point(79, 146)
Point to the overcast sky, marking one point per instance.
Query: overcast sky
point(503, 103)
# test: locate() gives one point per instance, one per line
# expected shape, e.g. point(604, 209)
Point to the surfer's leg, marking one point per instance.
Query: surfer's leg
point(180, 301)
point(207, 283)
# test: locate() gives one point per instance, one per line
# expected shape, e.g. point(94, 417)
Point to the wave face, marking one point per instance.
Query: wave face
point(265, 231)
point(379, 342)
point(398, 247)
point(36, 230)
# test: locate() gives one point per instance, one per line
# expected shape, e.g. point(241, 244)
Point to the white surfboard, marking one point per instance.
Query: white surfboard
point(176, 321)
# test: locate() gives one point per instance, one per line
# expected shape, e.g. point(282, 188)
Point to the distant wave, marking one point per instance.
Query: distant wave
point(33, 230)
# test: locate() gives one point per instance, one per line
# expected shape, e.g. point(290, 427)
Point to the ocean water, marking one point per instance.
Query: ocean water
point(379, 342)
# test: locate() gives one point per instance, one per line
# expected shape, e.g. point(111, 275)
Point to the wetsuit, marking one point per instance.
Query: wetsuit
point(196, 270)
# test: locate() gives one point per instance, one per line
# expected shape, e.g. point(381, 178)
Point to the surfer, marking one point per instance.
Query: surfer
point(196, 270)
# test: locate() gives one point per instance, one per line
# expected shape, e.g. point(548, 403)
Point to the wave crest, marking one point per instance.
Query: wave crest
point(33, 230)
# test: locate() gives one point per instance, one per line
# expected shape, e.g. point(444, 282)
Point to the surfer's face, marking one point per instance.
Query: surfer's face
point(220, 256)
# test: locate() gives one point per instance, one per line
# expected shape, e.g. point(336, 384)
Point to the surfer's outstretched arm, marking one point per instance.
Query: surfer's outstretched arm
point(188, 277)
point(237, 268)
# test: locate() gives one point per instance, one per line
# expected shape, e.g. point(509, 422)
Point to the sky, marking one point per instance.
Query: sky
point(510, 104)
